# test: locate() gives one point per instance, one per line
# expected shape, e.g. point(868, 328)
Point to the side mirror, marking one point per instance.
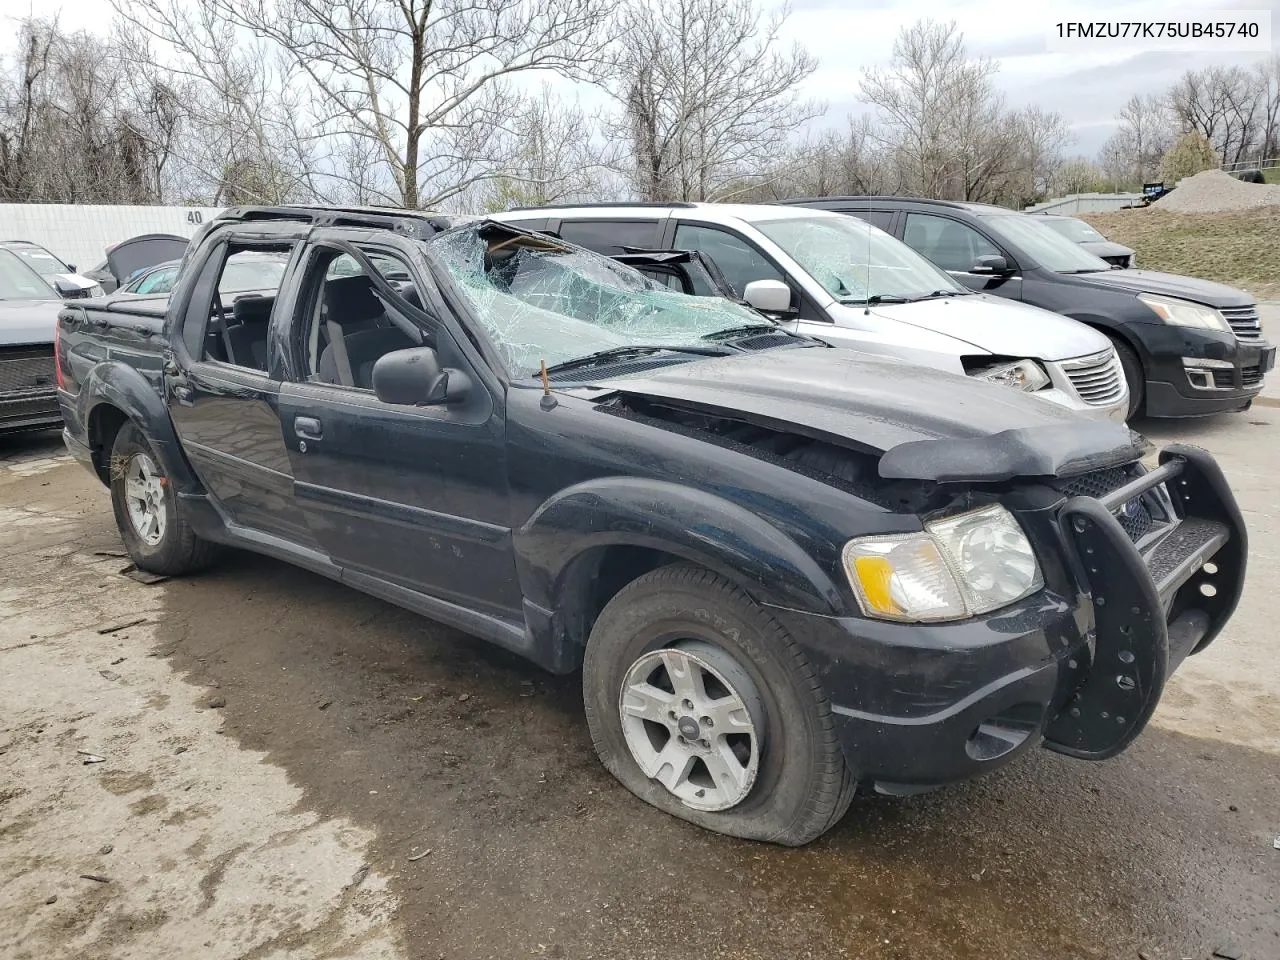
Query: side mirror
point(768, 296)
point(414, 377)
point(67, 288)
point(991, 263)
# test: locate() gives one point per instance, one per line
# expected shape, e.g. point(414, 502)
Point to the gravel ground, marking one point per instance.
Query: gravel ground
point(295, 770)
point(1216, 192)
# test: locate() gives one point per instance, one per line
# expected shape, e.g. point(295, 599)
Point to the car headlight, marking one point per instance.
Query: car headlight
point(1021, 375)
point(1185, 313)
point(960, 566)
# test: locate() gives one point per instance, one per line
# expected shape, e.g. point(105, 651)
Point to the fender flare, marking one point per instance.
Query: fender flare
point(124, 388)
point(699, 526)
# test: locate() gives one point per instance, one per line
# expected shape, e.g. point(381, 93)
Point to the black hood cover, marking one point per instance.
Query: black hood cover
point(1170, 285)
point(929, 425)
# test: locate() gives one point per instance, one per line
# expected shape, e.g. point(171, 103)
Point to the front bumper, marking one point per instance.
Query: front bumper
point(920, 705)
point(1231, 376)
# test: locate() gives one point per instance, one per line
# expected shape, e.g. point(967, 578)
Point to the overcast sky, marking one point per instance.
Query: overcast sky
point(1087, 87)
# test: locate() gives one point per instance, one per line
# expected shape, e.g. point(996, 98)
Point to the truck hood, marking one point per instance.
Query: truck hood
point(1168, 285)
point(999, 326)
point(27, 321)
point(926, 424)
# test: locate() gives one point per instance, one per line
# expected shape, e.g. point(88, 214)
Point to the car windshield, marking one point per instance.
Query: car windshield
point(541, 300)
point(856, 262)
point(1077, 231)
point(40, 260)
point(1046, 246)
point(20, 282)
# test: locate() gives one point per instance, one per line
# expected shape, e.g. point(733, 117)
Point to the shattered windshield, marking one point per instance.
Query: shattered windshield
point(540, 300)
point(856, 262)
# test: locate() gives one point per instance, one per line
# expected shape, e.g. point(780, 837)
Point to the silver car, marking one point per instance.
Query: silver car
point(852, 284)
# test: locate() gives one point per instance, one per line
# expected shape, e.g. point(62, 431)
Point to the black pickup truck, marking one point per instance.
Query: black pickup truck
point(786, 571)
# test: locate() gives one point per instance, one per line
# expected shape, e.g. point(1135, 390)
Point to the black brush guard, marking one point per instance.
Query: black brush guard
point(1150, 609)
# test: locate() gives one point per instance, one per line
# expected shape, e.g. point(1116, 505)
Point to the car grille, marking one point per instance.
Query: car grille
point(1135, 516)
point(26, 369)
point(1097, 379)
point(1244, 322)
point(1250, 376)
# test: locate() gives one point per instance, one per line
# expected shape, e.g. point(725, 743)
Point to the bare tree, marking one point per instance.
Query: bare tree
point(75, 126)
point(707, 95)
point(421, 80)
point(551, 151)
point(947, 126)
point(1226, 104)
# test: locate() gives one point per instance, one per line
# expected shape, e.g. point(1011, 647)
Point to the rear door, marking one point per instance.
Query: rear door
point(222, 397)
point(411, 495)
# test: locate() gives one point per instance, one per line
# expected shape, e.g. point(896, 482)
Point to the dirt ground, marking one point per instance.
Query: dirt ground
point(292, 769)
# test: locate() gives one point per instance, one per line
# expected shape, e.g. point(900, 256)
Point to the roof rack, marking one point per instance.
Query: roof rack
point(420, 223)
point(606, 204)
point(797, 201)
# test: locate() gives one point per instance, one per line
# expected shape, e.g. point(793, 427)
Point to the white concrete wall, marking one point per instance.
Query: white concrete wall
point(1086, 203)
point(80, 233)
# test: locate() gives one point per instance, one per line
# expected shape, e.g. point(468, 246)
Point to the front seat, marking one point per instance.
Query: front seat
point(356, 339)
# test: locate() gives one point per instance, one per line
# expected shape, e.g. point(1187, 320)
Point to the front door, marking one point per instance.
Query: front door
point(222, 396)
point(955, 247)
point(414, 495)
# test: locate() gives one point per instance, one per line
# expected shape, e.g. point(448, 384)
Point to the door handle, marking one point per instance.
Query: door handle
point(308, 428)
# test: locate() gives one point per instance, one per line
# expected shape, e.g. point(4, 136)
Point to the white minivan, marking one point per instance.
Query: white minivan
point(851, 284)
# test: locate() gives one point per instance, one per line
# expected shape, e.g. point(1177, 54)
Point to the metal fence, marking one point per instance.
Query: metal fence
point(1265, 163)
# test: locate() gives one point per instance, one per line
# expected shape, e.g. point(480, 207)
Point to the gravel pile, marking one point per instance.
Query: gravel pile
point(1215, 192)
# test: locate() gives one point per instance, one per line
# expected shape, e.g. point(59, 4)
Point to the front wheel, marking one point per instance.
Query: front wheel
point(152, 522)
point(702, 705)
point(1134, 378)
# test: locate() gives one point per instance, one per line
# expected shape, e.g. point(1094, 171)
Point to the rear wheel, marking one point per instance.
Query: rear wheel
point(701, 704)
point(1134, 378)
point(152, 522)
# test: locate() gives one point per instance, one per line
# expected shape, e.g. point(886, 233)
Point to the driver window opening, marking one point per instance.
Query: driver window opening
point(350, 326)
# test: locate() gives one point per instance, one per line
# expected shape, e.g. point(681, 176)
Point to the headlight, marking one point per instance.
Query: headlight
point(96, 291)
point(1185, 313)
point(1021, 375)
point(961, 566)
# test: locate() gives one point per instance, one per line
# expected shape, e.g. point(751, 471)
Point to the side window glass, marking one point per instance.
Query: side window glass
point(877, 218)
point(949, 243)
point(738, 260)
point(241, 305)
point(349, 328)
point(610, 236)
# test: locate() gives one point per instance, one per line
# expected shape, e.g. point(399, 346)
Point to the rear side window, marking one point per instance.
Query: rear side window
point(950, 244)
point(230, 322)
point(877, 218)
point(610, 236)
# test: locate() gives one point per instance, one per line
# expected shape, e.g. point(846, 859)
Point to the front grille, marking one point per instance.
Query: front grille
point(1250, 376)
point(1244, 322)
point(1098, 379)
point(26, 369)
point(1135, 516)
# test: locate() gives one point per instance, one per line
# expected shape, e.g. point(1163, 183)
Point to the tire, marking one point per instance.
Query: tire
point(169, 546)
point(1134, 378)
point(801, 786)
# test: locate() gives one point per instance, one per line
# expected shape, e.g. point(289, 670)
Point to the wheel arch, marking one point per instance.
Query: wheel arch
point(589, 541)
